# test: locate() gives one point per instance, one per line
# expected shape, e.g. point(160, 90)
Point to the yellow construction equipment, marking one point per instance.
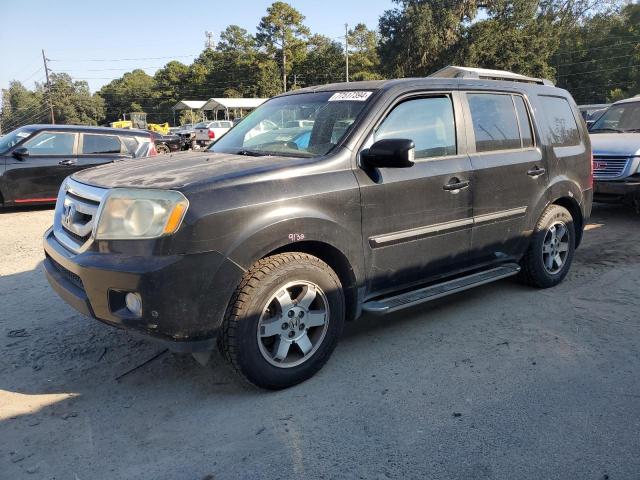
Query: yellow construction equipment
point(139, 120)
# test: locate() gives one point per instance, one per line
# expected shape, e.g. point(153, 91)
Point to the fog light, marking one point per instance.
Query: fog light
point(134, 303)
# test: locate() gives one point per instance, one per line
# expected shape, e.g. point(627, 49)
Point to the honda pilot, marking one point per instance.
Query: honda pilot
point(400, 192)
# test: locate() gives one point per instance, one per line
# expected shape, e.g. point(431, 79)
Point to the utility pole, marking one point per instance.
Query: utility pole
point(284, 61)
point(46, 72)
point(346, 50)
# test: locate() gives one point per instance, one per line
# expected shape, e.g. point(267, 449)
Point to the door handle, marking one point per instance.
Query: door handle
point(536, 172)
point(455, 185)
point(67, 162)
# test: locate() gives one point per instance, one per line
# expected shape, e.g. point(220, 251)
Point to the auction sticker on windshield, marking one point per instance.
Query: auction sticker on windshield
point(349, 96)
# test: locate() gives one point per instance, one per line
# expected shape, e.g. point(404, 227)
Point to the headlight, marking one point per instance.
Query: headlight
point(128, 214)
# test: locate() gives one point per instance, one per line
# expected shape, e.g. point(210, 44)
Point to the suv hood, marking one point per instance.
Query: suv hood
point(615, 144)
point(182, 169)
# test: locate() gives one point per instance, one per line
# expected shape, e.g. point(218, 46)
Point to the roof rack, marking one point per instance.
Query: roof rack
point(453, 71)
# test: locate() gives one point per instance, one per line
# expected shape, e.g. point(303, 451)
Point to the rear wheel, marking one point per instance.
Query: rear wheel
point(551, 250)
point(284, 320)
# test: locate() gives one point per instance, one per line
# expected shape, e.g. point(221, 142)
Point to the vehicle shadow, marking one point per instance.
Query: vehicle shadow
point(29, 208)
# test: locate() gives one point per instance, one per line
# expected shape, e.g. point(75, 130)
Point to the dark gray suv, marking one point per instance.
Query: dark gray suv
point(384, 195)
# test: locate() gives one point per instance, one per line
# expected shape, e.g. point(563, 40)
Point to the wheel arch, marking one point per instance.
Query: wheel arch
point(337, 245)
point(571, 204)
point(567, 193)
point(338, 262)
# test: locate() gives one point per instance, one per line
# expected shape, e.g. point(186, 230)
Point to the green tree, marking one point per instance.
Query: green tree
point(324, 62)
point(21, 106)
point(419, 37)
point(513, 37)
point(73, 102)
point(283, 34)
point(134, 91)
point(170, 88)
point(599, 59)
point(364, 62)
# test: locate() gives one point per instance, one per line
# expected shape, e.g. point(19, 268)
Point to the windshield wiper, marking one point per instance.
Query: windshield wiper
point(251, 153)
point(632, 130)
point(606, 130)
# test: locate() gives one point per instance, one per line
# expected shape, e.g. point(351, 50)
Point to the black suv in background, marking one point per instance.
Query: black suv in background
point(400, 192)
point(35, 159)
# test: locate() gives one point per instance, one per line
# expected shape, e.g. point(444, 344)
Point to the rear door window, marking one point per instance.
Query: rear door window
point(495, 123)
point(100, 144)
point(429, 122)
point(563, 128)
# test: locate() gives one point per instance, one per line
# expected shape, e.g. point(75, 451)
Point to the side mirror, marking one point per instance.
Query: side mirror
point(21, 153)
point(390, 153)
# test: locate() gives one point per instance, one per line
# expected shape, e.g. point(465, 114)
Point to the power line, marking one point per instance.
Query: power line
point(590, 49)
point(123, 59)
point(596, 60)
point(15, 123)
point(600, 70)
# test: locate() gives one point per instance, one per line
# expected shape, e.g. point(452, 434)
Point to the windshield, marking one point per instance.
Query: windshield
point(12, 138)
point(303, 125)
point(624, 117)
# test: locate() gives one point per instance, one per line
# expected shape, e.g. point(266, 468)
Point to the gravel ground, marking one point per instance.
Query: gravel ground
point(502, 382)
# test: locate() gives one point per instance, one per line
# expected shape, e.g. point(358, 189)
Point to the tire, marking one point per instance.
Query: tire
point(162, 149)
point(254, 339)
point(537, 271)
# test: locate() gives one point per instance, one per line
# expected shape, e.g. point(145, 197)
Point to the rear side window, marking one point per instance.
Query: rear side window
point(523, 122)
point(429, 122)
point(562, 124)
point(100, 144)
point(131, 144)
point(495, 122)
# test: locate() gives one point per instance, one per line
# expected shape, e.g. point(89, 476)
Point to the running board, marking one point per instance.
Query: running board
point(415, 297)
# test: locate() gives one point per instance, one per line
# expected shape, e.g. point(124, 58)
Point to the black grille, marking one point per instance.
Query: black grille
point(72, 277)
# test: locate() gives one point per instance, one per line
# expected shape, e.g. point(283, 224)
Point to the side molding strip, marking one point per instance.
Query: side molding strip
point(440, 228)
point(418, 233)
point(502, 215)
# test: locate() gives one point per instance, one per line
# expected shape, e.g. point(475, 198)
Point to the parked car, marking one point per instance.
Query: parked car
point(167, 143)
point(187, 134)
point(35, 159)
point(590, 113)
point(430, 187)
point(615, 137)
point(207, 132)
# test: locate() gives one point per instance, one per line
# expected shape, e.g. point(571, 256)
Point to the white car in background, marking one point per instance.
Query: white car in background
point(207, 132)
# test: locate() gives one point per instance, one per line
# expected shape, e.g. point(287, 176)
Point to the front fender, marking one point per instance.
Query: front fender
point(286, 226)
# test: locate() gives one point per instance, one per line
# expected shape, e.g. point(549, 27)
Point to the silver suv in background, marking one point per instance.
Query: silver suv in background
point(615, 140)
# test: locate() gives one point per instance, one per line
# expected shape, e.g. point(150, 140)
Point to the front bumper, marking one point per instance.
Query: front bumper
point(184, 297)
point(621, 188)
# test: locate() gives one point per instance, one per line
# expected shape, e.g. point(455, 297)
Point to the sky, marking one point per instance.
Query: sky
point(91, 39)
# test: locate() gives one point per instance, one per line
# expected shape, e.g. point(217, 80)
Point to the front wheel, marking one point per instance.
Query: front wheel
point(284, 320)
point(551, 250)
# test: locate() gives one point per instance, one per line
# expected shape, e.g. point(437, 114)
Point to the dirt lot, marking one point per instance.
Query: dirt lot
point(502, 382)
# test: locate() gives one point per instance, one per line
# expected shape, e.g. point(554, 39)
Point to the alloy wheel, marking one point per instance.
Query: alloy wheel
point(293, 324)
point(555, 247)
